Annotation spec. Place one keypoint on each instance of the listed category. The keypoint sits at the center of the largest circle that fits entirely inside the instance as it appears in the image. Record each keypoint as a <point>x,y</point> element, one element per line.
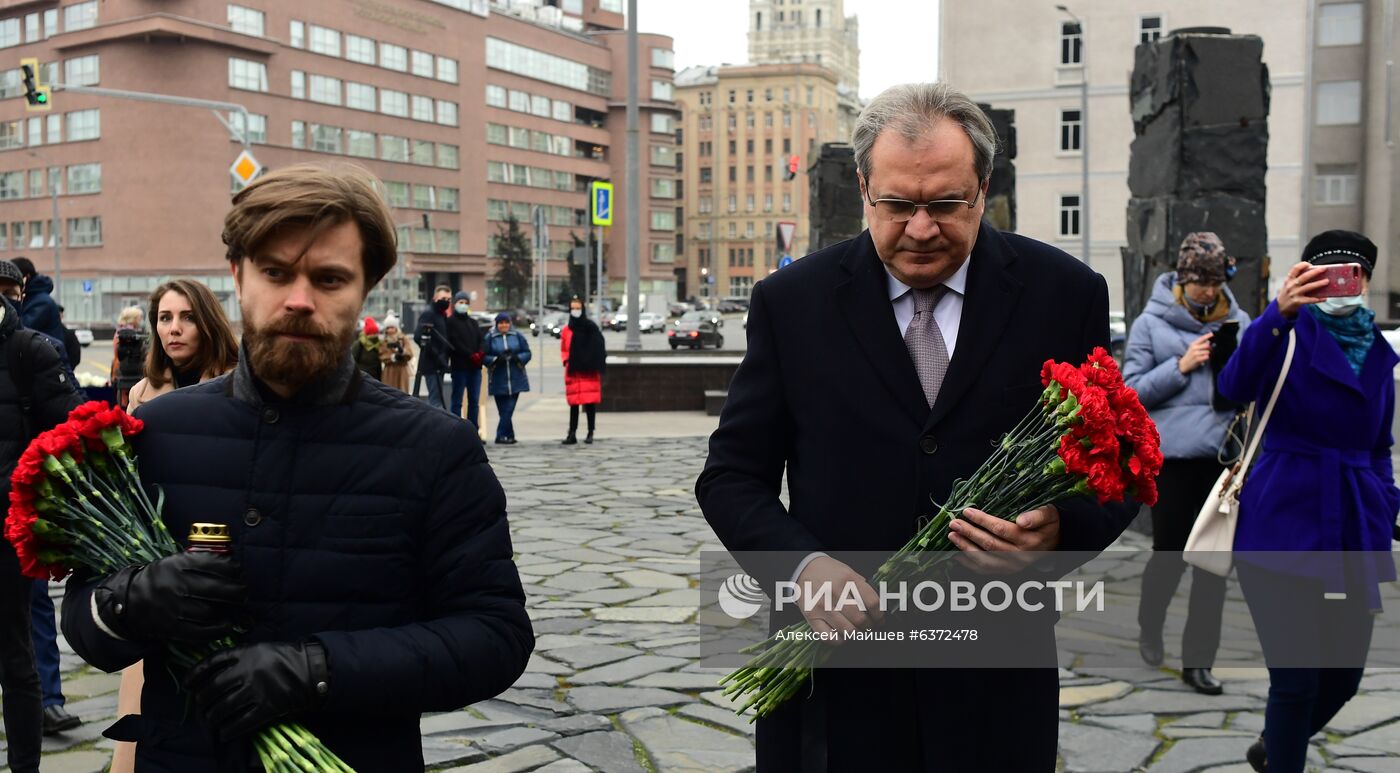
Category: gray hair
<point>911,109</point>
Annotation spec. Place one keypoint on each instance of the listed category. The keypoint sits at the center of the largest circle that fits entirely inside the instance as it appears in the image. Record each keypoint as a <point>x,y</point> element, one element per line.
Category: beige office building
<point>1041,82</point>
<point>469,110</point>
<point>743,127</point>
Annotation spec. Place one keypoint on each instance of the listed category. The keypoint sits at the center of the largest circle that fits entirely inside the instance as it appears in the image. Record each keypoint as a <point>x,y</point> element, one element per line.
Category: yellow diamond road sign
<point>245,167</point>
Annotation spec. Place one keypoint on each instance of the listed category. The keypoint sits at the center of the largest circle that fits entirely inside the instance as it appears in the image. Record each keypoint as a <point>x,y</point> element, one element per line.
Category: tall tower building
<point>809,31</point>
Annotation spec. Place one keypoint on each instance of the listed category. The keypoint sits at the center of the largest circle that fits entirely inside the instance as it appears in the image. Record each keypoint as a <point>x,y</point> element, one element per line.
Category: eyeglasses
<point>902,210</point>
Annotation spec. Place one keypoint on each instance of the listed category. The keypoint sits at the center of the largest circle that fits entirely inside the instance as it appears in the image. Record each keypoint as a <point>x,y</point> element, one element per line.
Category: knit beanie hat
<point>502,317</point>
<point>392,321</point>
<point>11,272</point>
<point>371,327</point>
<point>1203,259</point>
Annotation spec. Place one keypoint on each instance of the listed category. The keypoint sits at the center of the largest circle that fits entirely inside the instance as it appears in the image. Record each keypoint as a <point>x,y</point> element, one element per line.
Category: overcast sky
<point>898,38</point>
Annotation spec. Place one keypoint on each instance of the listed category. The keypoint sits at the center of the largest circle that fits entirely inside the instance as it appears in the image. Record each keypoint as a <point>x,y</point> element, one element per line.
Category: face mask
<point>461,308</point>
<point>576,313</point>
<point>1342,307</point>
<point>1199,309</point>
<point>441,305</point>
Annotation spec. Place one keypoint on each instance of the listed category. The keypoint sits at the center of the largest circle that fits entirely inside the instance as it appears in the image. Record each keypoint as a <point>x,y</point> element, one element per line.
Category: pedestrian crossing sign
<point>600,197</point>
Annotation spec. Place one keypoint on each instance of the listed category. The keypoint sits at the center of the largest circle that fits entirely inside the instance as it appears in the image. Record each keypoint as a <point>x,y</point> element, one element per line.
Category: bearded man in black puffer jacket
<point>371,577</point>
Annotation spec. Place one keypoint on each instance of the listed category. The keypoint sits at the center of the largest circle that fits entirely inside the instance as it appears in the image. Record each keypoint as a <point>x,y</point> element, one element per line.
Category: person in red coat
<point>584,354</point>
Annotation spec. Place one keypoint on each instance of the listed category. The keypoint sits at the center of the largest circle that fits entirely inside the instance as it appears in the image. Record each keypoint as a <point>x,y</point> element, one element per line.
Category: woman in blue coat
<point>1168,362</point>
<point>1323,483</point>
<point>506,353</point>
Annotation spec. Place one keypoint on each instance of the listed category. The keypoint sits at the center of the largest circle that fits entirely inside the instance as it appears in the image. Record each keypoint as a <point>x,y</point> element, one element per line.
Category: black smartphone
<point>1222,345</point>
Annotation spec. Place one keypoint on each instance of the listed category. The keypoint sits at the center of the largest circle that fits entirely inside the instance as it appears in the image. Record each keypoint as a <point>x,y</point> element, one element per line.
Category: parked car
<point>619,321</point>
<point>83,335</point>
<point>648,322</point>
<point>679,308</point>
<point>1118,334</point>
<point>554,322</point>
<point>695,329</point>
<point>520,319</point>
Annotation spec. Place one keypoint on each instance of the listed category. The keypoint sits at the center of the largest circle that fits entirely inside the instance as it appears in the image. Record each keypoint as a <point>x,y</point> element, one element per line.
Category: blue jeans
<point>434,382</point>
<point>45,635</point>
<point>1304,698</point>
<point>505,406</point>
<point>467,380</point>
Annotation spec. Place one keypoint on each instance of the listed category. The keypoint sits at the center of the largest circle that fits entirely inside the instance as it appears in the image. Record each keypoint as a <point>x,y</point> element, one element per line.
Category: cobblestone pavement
<point>608,538</point>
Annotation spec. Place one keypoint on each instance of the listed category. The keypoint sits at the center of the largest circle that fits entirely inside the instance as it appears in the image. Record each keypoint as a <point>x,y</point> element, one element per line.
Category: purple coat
<point>1323,478</point>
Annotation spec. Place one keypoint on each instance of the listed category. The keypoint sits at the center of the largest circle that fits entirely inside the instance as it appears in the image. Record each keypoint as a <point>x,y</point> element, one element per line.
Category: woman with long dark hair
<point>193,340</point>
<point>584,354</point>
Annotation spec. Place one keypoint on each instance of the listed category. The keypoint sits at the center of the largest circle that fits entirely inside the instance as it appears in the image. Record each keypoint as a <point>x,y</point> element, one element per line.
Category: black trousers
<point>1182,488</point>
<point>19,678</point>
<point>591,410</point>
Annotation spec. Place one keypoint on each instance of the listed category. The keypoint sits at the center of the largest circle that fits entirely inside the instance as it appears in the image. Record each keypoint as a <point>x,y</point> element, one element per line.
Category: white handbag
<point>1212,541</point>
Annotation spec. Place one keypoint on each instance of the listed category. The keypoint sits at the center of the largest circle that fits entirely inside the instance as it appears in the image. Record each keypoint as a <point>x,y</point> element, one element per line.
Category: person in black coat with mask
<point>465,336</point>
<point>434,347</point>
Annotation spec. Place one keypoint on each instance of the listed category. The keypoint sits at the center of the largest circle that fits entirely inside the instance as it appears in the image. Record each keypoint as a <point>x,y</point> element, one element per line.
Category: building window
<point>246,20</point>
<point>393,57</point>
<point>495,96</point>
<point>84,231</point>
<point>706,175</point>
<point>393,103</point>
<point>733,230</point>
<point>662,90</point>
<point>36,182</point>
<point>1335,185</point>
<point>246,75</point>
<point>358,49</point>
<point>257,126</point>
<point>10,33</point>
<point>446,112</point>
<point>11,187</point>
<point>326,139</point>
<point>80,17</point>
<point>663,253</point>
<point>539,106</point>
<point>447,201</point>
<point>446,69</point>
<point>1150,28</point>
<point>1339,103</point>
<point>85,178</point>
<point>447,156</point>
<point>661,220</point>
<point>768,201</point>
<point>663,155</point>
<point>1340,24</point>
<point>733,204</point>
<point>1071,128</point>
<point>663,57</point>
<point>663,187</point>
<point>361,96</point>
<point>1069,216</point>
<point>396,194</point>
<point>787,121</point>
<point>393,148</point>
<point>519,101</point>
<point>298,134</point>
<point>707,205</point>
<point>422,152</point>
<point>359,143</point>
<point>504,55</point>
<point>748,231</point>
<point>298,84</point>
<point>84,125</point>
<point>36,131</point>
<point>1071,44</point>
<point>787,202</point>
<point>84,71</point>
<point>296,34</point>
<point>421,63</point>
<point>325,90</point>
<point>325,41</point>
<point>50,22</point>
<point>740,286</point>
<point>422,108</point>
<point>662,123</point>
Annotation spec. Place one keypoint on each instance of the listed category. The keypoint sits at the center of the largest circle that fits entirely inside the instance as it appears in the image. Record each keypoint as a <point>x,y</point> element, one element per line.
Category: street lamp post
<point>1083,132</point>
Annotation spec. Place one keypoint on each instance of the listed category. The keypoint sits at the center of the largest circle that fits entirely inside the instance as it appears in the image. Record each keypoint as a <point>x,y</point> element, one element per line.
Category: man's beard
<point>294,364</point>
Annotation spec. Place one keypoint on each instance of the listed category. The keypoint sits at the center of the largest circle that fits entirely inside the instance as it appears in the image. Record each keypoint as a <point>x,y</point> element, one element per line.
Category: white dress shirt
<point>948,315</point>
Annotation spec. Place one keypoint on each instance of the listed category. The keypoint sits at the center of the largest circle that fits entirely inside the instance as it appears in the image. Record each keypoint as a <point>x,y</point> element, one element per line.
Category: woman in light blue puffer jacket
<point>1168,363</point>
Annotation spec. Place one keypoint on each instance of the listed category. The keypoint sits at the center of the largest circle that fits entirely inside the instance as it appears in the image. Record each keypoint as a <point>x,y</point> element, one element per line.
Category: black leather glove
<point>194,597</point>
<point>240,690</point>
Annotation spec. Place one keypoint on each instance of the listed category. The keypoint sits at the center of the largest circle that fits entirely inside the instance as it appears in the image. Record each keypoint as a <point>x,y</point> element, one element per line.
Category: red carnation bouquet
<point>1089,435</point>
<point>76,502</point>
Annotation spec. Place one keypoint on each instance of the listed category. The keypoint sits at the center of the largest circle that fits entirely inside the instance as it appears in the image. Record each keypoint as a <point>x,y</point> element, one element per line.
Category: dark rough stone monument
<point>835,209</point>
<point>1200,104</point>
<point>1001,192</point>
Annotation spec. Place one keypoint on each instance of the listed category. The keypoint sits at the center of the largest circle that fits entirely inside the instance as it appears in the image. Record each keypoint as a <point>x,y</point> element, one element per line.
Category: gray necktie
<point>925,342</point>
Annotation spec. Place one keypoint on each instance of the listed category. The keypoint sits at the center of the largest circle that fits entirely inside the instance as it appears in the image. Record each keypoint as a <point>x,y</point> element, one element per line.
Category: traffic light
<point>36,95</point>
<point>791,172</point>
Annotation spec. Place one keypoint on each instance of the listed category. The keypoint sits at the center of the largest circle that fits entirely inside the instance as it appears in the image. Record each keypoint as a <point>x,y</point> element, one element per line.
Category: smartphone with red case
<point>1343,280</point>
